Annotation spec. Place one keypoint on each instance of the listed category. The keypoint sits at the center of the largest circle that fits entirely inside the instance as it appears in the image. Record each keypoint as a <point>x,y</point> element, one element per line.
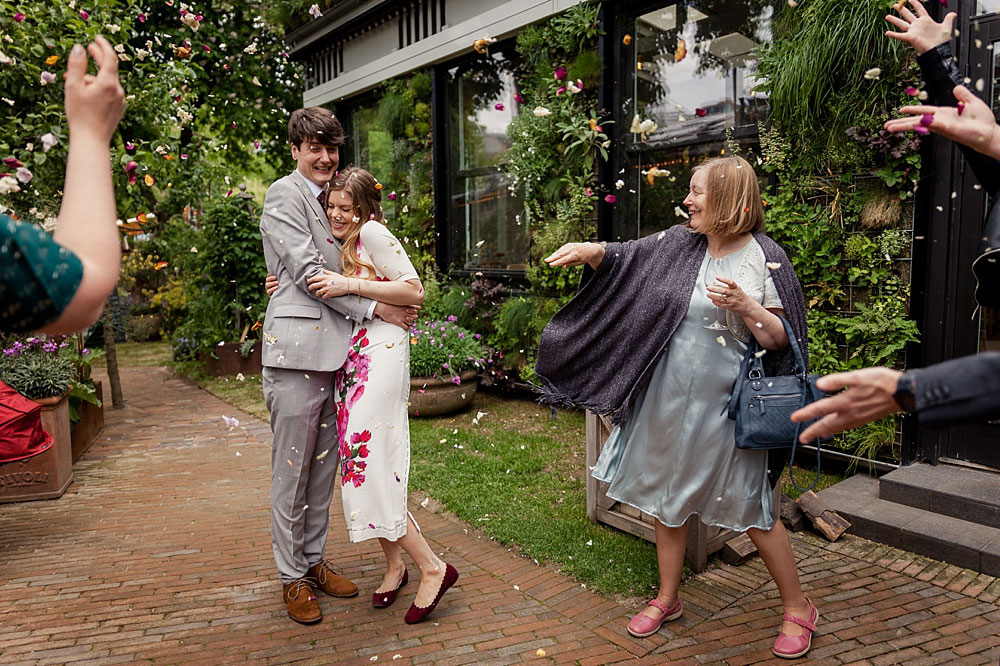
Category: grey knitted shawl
<point>599,351</point>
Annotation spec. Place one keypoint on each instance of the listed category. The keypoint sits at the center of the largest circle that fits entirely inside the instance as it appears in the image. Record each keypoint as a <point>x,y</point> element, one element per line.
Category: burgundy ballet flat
<point>418,614</point>
<point>385,599</point>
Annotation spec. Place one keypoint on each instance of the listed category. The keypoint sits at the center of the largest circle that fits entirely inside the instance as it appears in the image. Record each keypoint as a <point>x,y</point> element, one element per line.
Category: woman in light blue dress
<point>674,456</point>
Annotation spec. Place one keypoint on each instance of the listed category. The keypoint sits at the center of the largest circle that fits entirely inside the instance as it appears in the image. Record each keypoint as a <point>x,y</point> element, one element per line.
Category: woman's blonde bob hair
<point>732,196</point>
<point>367,205</point>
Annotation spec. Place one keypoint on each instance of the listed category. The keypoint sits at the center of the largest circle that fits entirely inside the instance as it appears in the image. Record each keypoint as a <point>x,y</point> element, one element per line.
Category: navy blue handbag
<point>762,405</point>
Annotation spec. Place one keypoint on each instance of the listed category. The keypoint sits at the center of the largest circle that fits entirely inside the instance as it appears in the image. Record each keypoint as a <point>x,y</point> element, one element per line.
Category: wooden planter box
<point>433,397</point>
<point>91,422</point>
<point>229,361</point>
<point>47,475</point>
<point>702,540</point>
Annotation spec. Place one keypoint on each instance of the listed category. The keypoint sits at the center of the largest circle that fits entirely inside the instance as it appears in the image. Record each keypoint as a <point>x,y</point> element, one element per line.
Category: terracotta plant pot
<point>47,475</point>
<point>432,397</point>
<point>91,423</point>
<point>229,361</point>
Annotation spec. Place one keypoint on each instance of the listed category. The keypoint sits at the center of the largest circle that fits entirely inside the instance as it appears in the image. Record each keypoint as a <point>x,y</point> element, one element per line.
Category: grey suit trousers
<point>304,461</point>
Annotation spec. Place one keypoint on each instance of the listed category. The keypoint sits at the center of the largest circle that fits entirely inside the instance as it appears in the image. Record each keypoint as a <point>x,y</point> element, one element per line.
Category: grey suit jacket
<point>302,331</point>
<point>962,389</point>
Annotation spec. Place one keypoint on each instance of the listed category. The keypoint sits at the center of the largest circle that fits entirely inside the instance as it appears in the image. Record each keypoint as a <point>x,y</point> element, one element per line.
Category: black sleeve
<point>962,389</point>
<point>938,68</point>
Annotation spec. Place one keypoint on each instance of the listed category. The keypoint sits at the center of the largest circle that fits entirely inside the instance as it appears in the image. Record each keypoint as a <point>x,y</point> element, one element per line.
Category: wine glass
<point>713,268</point>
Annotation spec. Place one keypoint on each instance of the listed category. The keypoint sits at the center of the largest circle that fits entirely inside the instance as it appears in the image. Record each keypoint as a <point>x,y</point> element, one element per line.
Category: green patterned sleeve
<point>38,277</point>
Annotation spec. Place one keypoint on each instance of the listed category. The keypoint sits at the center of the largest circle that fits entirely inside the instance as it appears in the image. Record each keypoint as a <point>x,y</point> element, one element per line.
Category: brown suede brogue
<point>327,579</point>
<point>300,600</point>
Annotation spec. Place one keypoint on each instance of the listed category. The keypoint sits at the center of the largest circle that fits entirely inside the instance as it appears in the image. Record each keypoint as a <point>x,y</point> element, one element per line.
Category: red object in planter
<point>21,434</point>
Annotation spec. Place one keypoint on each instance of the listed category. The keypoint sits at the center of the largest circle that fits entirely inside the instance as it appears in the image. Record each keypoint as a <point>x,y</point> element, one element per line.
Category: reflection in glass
<point>989,319</point>
<point>370,146</point>
<point>694,72</point>
<point>487,231</point>
<point>691,71</point>
<point>987,7</point>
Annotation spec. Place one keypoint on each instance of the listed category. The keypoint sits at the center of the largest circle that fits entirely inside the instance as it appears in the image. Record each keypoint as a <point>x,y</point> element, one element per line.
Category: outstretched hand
<point>917,28</point>
<point>868,398</point>
<point>94,103</point>
<point>577,254</point>
<point>971,123</point>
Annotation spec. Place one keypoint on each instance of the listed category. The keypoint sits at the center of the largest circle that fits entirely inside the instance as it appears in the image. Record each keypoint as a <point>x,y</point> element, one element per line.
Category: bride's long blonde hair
<point>367,205</point>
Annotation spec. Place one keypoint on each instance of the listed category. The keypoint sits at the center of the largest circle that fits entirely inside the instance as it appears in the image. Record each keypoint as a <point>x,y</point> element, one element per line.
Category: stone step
<point>960,492</point>
<point>953,540</point>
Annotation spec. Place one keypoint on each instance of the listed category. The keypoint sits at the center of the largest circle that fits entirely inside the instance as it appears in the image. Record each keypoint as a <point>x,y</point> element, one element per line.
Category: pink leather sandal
<point>793,647</point>
<point>642,625</point>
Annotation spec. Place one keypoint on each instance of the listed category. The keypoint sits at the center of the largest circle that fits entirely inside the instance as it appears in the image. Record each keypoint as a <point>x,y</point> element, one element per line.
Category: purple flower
<point>444,365</point>
<point>392,196</point>
<point>84,351</point>
<point>450,318</point>
<point>560,73</point>
<point>456,380</point>
<point>611,198</point>
<point>518,98</point>
<point>50,346</point>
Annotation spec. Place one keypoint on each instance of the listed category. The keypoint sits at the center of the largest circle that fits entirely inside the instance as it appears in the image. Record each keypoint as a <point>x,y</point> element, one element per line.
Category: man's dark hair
<point>314,122</point>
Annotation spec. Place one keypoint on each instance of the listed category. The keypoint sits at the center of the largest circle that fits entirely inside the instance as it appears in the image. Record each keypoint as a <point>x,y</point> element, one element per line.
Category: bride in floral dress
<point>372,389</point>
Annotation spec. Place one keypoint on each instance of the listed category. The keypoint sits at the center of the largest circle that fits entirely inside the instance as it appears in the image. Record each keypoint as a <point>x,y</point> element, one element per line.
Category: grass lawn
<point>140,354</point>
<point>517,474</point>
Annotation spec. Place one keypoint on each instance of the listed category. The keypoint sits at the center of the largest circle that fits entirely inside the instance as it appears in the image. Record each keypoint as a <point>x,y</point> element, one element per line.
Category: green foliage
<point>841,177</point>
<point>443,349</point>
<point>192,117</point>
<point>404,112</point>
<point>819,75</point>
<point>225,272</point>
<point>519,477</point>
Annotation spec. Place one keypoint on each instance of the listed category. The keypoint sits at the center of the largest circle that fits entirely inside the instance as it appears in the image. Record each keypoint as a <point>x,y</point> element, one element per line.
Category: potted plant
<point>86,406</point>
<point>445,360</point>
<point>42,369</point>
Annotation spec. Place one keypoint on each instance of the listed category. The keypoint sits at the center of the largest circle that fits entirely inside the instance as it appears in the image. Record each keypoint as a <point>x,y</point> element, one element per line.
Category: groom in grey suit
<point>306,340</point>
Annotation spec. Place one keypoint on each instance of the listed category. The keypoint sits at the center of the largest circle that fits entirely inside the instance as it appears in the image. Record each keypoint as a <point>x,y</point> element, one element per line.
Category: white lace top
<point>754,278</point>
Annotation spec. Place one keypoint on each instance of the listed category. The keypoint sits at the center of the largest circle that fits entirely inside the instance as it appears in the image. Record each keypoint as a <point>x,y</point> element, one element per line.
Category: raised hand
<point>917,28</point>
<point>94,103</point>
<point>971,123</point>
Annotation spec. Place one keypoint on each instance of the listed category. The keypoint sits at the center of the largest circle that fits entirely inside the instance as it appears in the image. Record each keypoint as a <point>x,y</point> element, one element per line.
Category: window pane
<point>487,230</point>
<point>987,7</point>
<point>694,67</point>
<point>691,71</point>
<point>372,145</point>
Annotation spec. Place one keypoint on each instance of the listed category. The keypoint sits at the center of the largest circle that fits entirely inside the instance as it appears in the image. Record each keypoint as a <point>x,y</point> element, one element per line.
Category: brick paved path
<point>159,554</point>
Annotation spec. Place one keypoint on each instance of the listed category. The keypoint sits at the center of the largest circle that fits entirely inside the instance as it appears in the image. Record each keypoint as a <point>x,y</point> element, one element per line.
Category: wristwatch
<point>904,393</point>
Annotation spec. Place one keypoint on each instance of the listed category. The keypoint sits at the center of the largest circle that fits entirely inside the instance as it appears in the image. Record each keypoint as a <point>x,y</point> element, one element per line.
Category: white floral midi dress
<point>372,390</point>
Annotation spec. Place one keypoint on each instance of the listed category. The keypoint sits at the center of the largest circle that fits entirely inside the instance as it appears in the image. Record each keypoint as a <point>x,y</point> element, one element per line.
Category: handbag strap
<point>754,348</point>
<point>791,459</point>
